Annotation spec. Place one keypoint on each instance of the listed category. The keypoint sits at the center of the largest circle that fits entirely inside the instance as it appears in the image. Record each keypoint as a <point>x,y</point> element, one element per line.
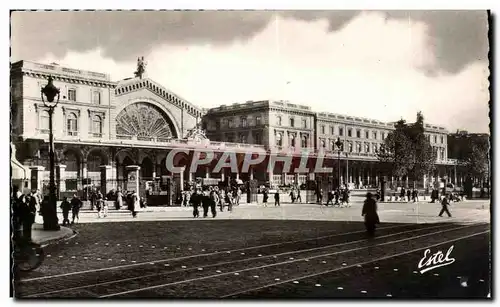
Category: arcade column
<point>61,182</point>
<point>106,183</point>
<point>133,178</point>
<point>36,177</point>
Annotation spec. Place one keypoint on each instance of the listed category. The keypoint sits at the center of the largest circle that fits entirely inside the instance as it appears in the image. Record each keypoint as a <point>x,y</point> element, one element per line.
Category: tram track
<point>198,270</point>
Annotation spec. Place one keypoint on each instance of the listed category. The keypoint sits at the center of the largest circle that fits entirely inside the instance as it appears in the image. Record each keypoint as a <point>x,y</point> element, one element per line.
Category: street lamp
<point>50,221</point>
<point>339,146</point>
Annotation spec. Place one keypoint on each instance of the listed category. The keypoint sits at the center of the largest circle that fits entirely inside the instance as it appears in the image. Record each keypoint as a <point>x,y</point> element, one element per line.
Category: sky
<point>384,65</point>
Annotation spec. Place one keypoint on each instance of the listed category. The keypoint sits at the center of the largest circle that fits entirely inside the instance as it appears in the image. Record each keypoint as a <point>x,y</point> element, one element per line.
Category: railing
<point>123,137</point>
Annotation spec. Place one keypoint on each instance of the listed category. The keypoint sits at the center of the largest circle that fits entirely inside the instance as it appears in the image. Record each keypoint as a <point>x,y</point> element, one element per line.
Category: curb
<point>46,243</point>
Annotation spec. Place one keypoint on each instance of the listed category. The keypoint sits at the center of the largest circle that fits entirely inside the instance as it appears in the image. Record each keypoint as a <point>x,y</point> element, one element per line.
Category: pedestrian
<point>195,201</point>
<point>292,195</point>
<point>214,199</point>
<point>408,195</point>
<point>76,204</point>
<point>93,198</point>
<point>66,208</point>
<point>329,198</point>
<point>444,206</point>
<point>28,212</point>
<point>369,212</point>
<point>133,204</point>
<point>277,198</point>
<point>105,206</point>
<point>265,196</point>
<point>299,199</point>
<point>205,203</point>
<point>119,200</point>
<point>337,197</point>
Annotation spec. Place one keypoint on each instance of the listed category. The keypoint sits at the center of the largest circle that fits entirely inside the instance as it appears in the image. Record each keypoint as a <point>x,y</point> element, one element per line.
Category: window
<point>72,124</point>
<point>332,130</point>
<point>322,129</point>
<point>243,121</point>
<point>279,140</point>
<point>44,122</point>
<point>341,131</point>
<point>442,139</point>
<point>323,144</point>
<point>97,126</point>
<point>367,134</point>
<point>349,132</point>
<point>97,97</point>
<point>358,133</point>
<point>230,123</point>
<point>225,123</point>
<point>367,147</point>
<point>256,138</point>
<point>258,120</point>
<point>350,146</point>
<point>435,139</point>
<point>243,138</point>
<point>72,94</point>
<point>279,121</point>
<point>292,122</point>
<point>230,137</point>
<point>292,141</point>
<point>217,125</point>
<point>374,135</point>
<point>304,141</point>
<point>304,123</point>
<point>383,136</point>
<point>358,147</point>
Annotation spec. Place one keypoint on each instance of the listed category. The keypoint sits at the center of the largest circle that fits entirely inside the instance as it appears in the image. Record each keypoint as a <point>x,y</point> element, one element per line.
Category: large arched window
<point>94,162</point>
<point>97,126</point>
<point>72,124</point>
<point>44,121</point>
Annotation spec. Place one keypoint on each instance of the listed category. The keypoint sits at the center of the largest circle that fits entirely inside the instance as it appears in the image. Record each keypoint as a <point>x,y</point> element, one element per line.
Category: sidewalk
<point>45,237</point>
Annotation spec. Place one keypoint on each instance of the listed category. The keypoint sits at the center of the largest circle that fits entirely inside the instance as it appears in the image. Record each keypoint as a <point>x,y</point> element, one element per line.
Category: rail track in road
<point>234,272</point>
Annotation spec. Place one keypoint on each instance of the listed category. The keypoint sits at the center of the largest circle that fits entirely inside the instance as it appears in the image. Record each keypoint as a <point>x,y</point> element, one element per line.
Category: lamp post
<point>339,146</point>
<point>50,221</point>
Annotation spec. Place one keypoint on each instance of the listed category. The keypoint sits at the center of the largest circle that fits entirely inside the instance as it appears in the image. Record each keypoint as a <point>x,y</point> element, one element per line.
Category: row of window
<point>435,138</point>
<point>303,140</point>
<point>366,147</point>
<point>96,96</point>
<point>440,153</point>
<point>243,122</point>
<point>72,124</point>
<point>291,122</point>
<point>374,134</point>
<point>243,138</point>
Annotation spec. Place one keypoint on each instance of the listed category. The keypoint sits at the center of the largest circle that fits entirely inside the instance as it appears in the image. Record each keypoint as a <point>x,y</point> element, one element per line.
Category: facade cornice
<point>68,79</point>
<point>39,101</point>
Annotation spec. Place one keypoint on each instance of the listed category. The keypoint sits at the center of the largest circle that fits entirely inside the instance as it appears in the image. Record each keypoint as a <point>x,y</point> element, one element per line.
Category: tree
<point>406,151</point>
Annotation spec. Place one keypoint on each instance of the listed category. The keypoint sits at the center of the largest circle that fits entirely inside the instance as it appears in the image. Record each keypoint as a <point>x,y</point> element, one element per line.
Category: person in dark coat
<point>195,201</point>
<point>330,198</point>
<point>28,212</point>
<point>265,196</point>
<point>408,195</point>
<point>76,204</point>
<point>66,208</point>
<point>402,194</point>
<point>370,214</point>
<point>205,202</point>
<point>444,206</point>
<point>277,198</point>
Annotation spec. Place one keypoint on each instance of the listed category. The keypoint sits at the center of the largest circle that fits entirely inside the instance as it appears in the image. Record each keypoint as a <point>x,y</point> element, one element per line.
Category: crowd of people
<point>211,197</point>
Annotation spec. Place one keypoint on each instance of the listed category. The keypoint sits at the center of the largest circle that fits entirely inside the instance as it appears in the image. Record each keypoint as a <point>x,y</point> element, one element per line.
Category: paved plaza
<point>296,250</point>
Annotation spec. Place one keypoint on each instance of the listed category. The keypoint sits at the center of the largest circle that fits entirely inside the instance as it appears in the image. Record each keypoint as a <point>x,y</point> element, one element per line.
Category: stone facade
<point>102,127</point>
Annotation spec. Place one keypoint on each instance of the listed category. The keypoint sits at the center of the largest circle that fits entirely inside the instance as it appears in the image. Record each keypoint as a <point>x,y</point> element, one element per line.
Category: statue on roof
<point>141,67</point>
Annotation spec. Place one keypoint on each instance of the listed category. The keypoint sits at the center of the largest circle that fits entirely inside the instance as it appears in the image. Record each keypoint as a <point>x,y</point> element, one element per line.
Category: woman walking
<point>370,214</point>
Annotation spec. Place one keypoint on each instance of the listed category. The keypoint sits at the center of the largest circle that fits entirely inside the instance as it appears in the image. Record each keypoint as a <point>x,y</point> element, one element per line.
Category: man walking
<point>444,206</point>
<point>277,198</point>
<point>76,204</point>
